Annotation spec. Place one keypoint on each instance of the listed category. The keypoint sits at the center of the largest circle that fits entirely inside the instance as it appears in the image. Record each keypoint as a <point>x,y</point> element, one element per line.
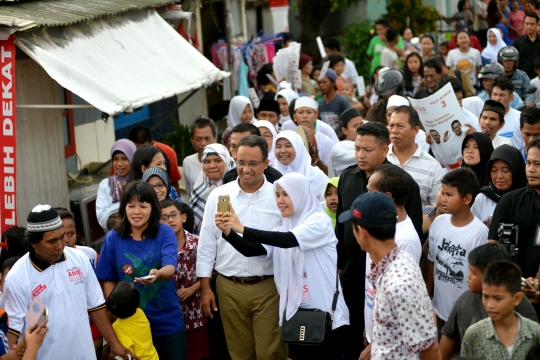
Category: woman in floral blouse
<point>187,285</point>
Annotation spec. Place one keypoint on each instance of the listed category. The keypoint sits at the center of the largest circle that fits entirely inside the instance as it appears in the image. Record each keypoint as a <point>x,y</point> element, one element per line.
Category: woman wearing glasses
<point>216,162</point>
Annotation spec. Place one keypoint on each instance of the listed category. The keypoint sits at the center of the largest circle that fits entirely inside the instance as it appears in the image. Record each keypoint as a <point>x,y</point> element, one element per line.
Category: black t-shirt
<point>422,93</point>
<point>270,173</point>
<point>528,51</point>
<point>517,207</point>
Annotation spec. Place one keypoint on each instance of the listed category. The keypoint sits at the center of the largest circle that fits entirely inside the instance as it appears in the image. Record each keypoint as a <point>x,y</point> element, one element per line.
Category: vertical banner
<point>444,122</point>
<point>8,169</point>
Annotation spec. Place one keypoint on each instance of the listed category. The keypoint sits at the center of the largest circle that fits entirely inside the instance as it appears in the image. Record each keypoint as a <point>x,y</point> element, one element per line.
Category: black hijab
<point>485,146</point>
<point>513,158</point>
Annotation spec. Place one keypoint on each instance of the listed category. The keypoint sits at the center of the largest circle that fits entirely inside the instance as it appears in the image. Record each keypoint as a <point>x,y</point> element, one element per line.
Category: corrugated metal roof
<point>27,14</point>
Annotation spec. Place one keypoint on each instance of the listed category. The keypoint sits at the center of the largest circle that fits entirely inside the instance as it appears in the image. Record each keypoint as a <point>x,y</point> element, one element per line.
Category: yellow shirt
<point>134,334</point>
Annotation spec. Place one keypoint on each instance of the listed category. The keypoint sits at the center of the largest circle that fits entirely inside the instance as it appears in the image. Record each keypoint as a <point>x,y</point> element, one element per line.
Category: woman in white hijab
<point>216,162</point>
<point>292,156</point>
<point>494,45</point>
<point>284,98</point>
<point>304,255</point>
<point>240,111</point>
<point>268,133</point>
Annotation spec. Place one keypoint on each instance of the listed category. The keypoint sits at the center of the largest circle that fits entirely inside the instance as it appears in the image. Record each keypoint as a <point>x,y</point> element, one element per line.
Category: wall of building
<point>41,169</point>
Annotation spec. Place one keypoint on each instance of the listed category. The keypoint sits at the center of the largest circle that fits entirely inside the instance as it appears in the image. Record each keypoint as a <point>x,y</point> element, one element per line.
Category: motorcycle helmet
<point>388,82</point>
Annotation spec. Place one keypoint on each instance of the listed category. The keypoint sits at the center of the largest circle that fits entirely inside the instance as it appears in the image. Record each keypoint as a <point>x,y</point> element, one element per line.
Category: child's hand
<point>184,294</point>
<point>34,336</point>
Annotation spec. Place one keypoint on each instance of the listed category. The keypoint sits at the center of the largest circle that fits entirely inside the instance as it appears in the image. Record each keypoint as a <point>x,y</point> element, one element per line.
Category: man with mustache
<point>492,120</point>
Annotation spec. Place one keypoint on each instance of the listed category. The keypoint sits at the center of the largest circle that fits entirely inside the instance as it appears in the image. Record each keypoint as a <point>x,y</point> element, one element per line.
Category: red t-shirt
<point>475,43</point>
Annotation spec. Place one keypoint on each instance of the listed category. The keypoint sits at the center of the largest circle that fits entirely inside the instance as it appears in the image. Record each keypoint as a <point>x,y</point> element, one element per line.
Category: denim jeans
<point>171,347</point>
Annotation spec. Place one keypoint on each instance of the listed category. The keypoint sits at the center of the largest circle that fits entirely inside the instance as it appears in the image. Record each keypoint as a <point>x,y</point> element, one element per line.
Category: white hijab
<point>267,124</point>
<point>492,51</point>
<point>288,95</point>
<point>236,108</point>
<point>289,263</point>
<point>302,163</point>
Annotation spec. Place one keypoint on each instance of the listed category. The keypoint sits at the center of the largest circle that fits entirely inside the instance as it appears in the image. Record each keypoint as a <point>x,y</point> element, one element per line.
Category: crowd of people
<point>314,202</point>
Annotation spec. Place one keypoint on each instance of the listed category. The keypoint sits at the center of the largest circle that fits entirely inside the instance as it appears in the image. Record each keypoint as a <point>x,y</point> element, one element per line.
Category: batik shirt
<point>402,312</point>
<point>184,278</point>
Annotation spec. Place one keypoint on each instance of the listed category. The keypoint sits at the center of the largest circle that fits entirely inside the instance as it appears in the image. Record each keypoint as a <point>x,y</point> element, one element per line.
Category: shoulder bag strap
<point>336,293</point>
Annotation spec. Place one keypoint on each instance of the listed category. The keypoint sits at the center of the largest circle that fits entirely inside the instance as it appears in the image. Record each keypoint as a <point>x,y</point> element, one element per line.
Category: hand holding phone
<point>147,277</point>
<point>223,203</point>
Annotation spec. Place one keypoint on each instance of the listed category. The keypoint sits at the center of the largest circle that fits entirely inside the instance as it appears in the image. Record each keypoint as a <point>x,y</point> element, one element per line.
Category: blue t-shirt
<point>124,259</point>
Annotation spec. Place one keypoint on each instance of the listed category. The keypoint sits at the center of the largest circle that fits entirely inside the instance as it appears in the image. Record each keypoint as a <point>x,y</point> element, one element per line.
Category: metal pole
<point>228,35</point>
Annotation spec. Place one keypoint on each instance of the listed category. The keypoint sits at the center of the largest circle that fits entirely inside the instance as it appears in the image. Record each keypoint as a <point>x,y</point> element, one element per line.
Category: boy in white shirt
<point>451,237</point>
<point>389,57</point>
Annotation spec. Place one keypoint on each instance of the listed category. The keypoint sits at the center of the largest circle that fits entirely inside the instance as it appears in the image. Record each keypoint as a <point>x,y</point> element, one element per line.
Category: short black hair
<point>504,83</point>
<point>461,5</point>
<point>165,203</point>
<point>457,86</point>
<point>414,119</point>
<point>189,225</point>
<point>245,127</point>
<point>335,59</point>
<point>428,36</point>
<point>332,44</point>
<point>8,264</point>
<point>403,29</point>
<point>33,237</point>
<point>391,35</point>
<point>444,43</point>
<point>123,300</point>
<point>486,254</point>
<point>143,156</point>
<point>530,115</point>
<point>375,129</point>
<point>393,180</point>
<point>439,58</point>
<point>200,123</point>
<point>503,273</point>
<point>434,131</point>
<point>15,244</point>
<point>532,15</point>
<point>537,63</point>
<point>255,141</point>
<point>143,192</point>
<point>434,64</point>
<point>379,232</point>
<point>501,116</point>
<point>464,180</point>
<point>64,213</point>
<point>291,109</point>
<point>382,21</point>
<point>535,143</point>
<point>140,135</point>
<point>267,69</point>
<point>453,122</point>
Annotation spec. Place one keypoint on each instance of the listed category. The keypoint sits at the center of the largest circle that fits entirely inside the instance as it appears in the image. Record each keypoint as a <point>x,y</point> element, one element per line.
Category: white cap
<point>396,100</point>
<point>305,101</point>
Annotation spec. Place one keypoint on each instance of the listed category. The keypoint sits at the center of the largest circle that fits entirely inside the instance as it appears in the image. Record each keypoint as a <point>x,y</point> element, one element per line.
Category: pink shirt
<point>516,21</point>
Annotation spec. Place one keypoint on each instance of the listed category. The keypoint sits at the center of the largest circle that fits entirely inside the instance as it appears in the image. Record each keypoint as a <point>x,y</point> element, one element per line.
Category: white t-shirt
<point>324,147</point>
<point>511,128</point>
<point>321,126</point>
<point>192,168</point>
<point>536,83</point>
<point>341,157</point>
<point>69,289</point>
<point>465,62</point>
<point>91,253</point>
<point>483,207</point>
<point>407,240</point>
<point>499,140</point>
<point>389,58</point>
<point>350,72</point>
<point>449,248</point>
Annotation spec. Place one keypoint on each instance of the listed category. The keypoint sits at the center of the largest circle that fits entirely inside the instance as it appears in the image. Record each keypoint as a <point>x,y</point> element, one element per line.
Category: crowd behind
<point>317,199</point>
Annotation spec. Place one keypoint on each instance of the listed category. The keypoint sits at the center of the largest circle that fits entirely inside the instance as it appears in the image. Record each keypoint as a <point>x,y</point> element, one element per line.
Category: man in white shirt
<point>63,279</point>
<point>246,290</point>
<point>406,153</point>
<point>503,92</point>
<point>203,132</point>
<point>492,120</point>
<point>342,154</point>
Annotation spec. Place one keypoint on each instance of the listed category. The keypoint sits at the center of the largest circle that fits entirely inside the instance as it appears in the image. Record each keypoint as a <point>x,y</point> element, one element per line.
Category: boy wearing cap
<point>332,104</point>
<point>63,279</point>
<point>400,300</point>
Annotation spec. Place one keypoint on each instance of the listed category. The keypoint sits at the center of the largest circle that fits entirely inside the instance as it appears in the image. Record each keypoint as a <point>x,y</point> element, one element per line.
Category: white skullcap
<point>305,101</point>
<point>396,100</point>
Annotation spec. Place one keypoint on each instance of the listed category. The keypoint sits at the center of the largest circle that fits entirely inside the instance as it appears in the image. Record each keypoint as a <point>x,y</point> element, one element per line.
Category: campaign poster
<point>444,123</point>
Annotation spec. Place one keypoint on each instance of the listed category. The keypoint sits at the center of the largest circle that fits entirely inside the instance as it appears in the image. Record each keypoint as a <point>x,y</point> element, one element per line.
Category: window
<point>68,124</point>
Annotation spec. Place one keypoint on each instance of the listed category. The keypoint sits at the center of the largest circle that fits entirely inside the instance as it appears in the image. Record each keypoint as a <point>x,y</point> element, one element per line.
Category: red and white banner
<point>8,143</point>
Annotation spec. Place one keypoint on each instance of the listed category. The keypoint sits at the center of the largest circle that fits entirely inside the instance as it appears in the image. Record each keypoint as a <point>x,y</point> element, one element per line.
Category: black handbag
<point>309,326</point>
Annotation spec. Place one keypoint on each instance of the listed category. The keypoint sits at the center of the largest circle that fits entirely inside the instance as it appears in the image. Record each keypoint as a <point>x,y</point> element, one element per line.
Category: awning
<point>120,63</point>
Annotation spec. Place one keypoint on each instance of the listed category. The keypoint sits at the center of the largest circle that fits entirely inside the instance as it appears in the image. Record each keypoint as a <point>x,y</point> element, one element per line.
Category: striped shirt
<point>424,169</point>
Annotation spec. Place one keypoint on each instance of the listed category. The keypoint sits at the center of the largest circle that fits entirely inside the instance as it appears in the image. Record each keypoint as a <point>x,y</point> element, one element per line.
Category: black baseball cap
<point>371,208</point>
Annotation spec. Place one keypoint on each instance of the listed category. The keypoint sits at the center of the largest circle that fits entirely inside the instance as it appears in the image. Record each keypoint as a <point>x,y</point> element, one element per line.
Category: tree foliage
<point>355,44</point>
<point>422,18</point>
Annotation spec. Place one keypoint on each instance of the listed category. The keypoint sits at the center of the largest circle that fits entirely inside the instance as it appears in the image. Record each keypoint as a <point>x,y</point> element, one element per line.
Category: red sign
<point>8,166</point>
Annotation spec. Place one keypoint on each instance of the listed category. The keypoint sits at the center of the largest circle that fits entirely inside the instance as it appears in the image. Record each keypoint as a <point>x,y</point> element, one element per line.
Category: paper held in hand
<point>444,122</point>
<point>323,70</point>
<point>321,47</point>
<point>254,98</point>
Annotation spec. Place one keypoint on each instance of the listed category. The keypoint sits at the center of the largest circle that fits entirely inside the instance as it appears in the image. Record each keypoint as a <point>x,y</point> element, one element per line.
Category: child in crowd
<point>187,284</point>
<point>505,334</point>
<point>389,57</point>
<point>536,81</point>
<point>6,266</point>
<point>314,80</point>
<point>13,243</point>
<point>443,49</point>
<point>452,237</point>
<point>468,308</point>
<point>113,221</point>
<point>347,91</point>
<point>371,96</point>
<point>331,196</point>
<point>132,326</point>
<point>413,72</point>
<point>337,63</point>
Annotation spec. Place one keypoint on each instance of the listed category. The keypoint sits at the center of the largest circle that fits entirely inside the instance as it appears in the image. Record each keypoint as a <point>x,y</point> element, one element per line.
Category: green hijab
<point>333,181</point>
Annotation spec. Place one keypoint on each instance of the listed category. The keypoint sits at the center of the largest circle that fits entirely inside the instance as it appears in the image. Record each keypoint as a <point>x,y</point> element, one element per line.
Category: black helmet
<point>491,71</point>
<point>389,81</point>
<point>508,53</point>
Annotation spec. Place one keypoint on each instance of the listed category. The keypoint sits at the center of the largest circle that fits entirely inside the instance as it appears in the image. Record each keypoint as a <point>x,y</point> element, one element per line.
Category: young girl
<point>331,195</point>
<point>187,285</point>
<point>240,111</point>
<point>142,246</point>
<point>284,98</point>
<point>494,45</point>
<point>428,43</point>
<point>465,58</point>
<point>413,72</point>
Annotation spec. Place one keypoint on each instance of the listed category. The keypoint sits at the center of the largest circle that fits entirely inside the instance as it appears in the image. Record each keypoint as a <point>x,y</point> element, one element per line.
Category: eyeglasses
<point>250,164</point>
<point>159,186</point>
<point>174,215</point>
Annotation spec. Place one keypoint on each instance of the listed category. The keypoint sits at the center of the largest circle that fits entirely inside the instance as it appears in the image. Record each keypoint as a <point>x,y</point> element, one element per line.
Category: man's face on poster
<point>435,136</point>
<point>456,128</point>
